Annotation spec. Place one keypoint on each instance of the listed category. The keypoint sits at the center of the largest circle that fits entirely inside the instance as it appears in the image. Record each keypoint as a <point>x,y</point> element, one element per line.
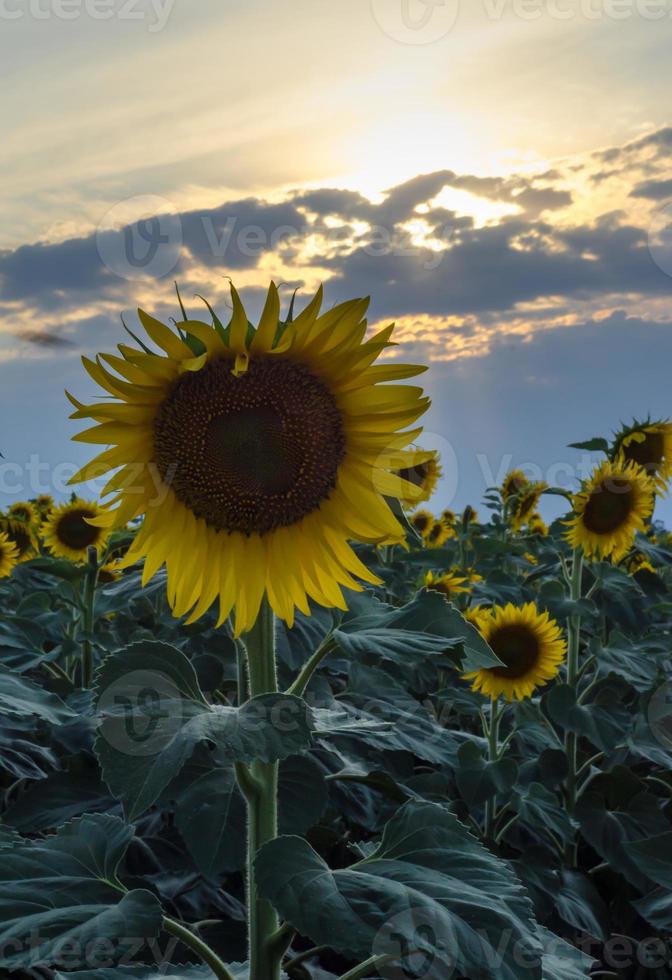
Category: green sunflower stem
<point>259,785</point>
<point>88,614</point>
<point>492,735</point>
<point>573,676</point>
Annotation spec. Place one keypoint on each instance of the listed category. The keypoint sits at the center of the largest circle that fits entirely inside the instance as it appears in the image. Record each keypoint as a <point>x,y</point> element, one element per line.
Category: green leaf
<point>479,780</point>
<point>540,809</point>
<point>428,614</point>
<point>20,696</point>
<point>50,802</point>
<point>654,856</point>
<point>61,894</point>
<point>561,961</point>
<point>606,724</point>
<point>185,971</point>
<point>595,445</point>
<point>212,819</point>
<point>430,887</point>
<point>153,715</point>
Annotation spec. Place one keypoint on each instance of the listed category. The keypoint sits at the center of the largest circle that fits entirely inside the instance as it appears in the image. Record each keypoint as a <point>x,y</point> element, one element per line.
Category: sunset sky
<point>496,175</point>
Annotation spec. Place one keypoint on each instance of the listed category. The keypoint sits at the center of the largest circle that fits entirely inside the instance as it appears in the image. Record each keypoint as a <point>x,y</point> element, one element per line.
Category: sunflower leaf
<point>59,895</point>
<point>152,716</point>
<point>430,891</point>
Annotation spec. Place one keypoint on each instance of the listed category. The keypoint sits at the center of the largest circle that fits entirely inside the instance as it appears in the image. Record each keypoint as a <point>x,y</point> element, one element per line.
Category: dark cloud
<point>655,190</point>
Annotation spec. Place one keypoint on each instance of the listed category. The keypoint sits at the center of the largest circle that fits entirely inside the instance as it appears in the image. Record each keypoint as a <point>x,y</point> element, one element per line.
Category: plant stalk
<point>573,643</point>
<point>492,734</point>
<point>88,613</point>
<point>196,944</point>
<point>261,795</point>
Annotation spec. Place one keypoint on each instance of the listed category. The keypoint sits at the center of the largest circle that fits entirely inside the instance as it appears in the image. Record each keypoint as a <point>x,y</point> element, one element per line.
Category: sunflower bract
<point>255,455</point>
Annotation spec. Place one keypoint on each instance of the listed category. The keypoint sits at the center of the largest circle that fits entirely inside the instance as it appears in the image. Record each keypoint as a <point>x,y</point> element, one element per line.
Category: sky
<point>495,174</point>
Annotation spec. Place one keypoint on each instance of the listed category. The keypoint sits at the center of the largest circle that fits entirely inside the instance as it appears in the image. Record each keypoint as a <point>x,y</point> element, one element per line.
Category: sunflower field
<point>265,713</point>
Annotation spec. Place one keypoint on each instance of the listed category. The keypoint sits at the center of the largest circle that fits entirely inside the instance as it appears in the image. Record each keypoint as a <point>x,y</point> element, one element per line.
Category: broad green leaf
<point>429,886</point>
<point>20,696</point>
<point>60,895</point>
<point>561,961</point>
<point>479,780</point>
<point>153,715</point>
<point>50,802</point>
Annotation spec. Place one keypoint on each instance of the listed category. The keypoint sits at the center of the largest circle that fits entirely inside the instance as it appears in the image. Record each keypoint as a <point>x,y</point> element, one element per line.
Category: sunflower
<point>649,445</point>
<point>44,504</point>
<point>529,557</point>
<point>271,448</point>
<point>477,616</point>
<point>69,533</point>
<point>613,505</point>
<point>108,573</point>
<point>423,474</point>
<point>525,504</point>
<point>422,521</point>
<point>639,563</point>
<point>469,515</point>
<point>22,536</point>
<point>530,645</point>
<point>513,483</point>
<point>537,525</point>
<point>25,512</point>
<point>449,584</point>
<point>449,517</point>
<point>437,534</point>
<point>9,555</point>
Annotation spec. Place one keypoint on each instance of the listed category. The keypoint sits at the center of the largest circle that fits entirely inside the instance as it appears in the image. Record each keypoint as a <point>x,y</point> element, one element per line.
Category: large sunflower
<point>613,505</point>
<point>649,445</point>
<point>423,474</point>
<point>256,455</point>
<point>530,645</point>
<point>9,555</point>
<point>68,532</point>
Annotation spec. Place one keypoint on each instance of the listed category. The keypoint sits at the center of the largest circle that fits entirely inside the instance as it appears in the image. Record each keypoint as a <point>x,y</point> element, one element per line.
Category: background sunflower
<point>68,534</point>
<point>9,555</point>
<point>530,645</point>
<point>649,445</point>
<point>614,504</point>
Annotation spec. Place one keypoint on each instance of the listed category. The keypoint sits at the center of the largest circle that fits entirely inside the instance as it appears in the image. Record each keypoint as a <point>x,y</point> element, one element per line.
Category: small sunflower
<point>477,616</point>
<point>469,515</point>
<point>437,534</point>
<point>529,557</point>
<point>272,448</point>
<point>649,445</point>
<point>537,525</point>
<point>513,483</point>
<point>449,584</point>
<point>44,504</point>
<point>530,645</point>
<point>68,532</point>
<point>613,505</point>
<point>22,536</point>
<point>449,517</point>
<point>25,512</point>
<point>423,474</point>
<point>525,504</point>
<point>422,521</point>
<point>639,563</point>
<point>9,555</point>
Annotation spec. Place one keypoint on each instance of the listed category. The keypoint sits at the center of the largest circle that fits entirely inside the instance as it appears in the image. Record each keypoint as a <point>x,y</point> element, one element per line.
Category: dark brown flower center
<point>421,522</point>
<point>22,538</point>
<point>649,453</point>
<point>73,531</point>
<point>254,452</point>
<point>609,506</point>
<point>517,647</point>
<point>415,474</point>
